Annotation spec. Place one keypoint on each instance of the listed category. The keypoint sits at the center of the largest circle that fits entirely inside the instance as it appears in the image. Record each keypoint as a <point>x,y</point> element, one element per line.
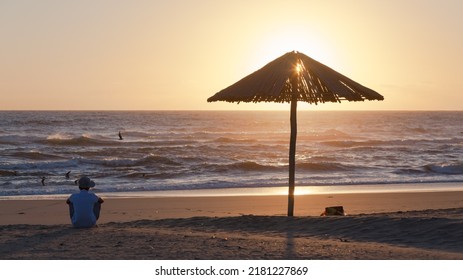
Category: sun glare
<point>300,190</point>
<point>298,68</point>
<point>284,40</point>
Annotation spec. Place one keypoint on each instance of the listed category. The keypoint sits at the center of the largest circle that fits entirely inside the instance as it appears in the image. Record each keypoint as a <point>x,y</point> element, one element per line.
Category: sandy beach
<point>418,225</point>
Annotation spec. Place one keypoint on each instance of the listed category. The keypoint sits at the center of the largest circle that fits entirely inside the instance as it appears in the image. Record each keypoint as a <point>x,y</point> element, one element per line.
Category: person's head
<point>85,183</point>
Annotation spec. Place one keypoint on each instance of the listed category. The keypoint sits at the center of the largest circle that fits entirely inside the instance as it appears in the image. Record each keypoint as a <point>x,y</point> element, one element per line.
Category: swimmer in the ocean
<point>43,180</point>
<point>67,174</point>
<point>120,136</point>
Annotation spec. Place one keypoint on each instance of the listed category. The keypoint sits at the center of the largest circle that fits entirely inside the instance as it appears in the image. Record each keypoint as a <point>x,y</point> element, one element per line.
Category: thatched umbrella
<point>290,78</point>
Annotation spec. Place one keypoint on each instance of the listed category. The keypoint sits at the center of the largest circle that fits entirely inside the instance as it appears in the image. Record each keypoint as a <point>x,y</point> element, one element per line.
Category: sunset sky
<point>173,55</point>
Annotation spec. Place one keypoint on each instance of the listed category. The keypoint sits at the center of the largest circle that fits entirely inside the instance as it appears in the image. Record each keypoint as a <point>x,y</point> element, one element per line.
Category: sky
<point>173,55</point>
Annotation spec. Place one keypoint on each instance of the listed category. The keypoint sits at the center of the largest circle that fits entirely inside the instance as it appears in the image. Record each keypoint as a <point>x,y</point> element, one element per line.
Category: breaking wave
<point>446,168</point>
<point>83,140</point>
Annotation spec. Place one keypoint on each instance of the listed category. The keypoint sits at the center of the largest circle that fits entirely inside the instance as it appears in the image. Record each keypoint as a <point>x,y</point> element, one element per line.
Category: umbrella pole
<point>292,155</point>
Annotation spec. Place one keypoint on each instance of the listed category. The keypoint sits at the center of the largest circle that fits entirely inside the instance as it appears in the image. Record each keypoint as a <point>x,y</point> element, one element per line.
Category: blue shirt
<point>83,203</point>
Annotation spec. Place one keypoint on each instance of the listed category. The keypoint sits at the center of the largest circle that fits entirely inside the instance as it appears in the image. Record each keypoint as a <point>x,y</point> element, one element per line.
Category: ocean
<point>197,150</point>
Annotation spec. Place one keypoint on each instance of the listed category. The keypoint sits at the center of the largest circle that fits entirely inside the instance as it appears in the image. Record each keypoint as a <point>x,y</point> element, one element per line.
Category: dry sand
<point>420,225</point>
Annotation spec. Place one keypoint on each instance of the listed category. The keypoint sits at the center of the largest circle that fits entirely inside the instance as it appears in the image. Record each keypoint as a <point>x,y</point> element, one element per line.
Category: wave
<point>35,155</point>
<point>419,130</point>
<point>138,134</point>
<point>8,173</point>
<point>250,166</point>
<point>147,161</point>
<point>15,139</point>
<point>322,166</point>
<point>84,140</point>
<point>247,166</point>
<point>233,140</point>
<point>155,159</point>
<point>351,144</point>
<point>334,133</point>
<point>41,165</point>
<point>169,143</point>
<point>396,142</point>
<point>326,135</point>
<point>148,175</point>
<point>446,168</point>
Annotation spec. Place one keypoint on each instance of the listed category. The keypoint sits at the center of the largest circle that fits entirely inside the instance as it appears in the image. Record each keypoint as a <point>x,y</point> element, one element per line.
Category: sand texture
<point>378,226</point>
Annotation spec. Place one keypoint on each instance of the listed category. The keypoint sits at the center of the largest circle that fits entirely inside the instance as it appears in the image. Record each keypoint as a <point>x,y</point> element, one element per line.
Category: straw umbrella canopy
<point>291,78</point>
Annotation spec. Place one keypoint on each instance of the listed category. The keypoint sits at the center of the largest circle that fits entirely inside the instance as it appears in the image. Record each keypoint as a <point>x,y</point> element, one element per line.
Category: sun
<point>280,41</point>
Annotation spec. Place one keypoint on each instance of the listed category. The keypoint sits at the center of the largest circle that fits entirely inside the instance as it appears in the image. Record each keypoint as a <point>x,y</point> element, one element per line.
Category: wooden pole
<point>292,154</point>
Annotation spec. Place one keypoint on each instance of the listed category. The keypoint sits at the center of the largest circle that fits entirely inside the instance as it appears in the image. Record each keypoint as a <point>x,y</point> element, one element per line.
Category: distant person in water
<point>85,206</point>
<point>120,136</point>
<point>67,174</point>
<point>43,180</point>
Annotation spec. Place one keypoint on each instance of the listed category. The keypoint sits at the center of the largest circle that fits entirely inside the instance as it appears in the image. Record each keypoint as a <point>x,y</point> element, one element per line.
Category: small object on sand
<point>334,211</point>
<point>43,180</point>
<point>67,174</point>
<point>120,136</point>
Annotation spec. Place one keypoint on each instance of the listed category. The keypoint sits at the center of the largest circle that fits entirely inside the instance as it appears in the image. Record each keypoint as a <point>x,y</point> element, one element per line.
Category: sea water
<point>197,150</point>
